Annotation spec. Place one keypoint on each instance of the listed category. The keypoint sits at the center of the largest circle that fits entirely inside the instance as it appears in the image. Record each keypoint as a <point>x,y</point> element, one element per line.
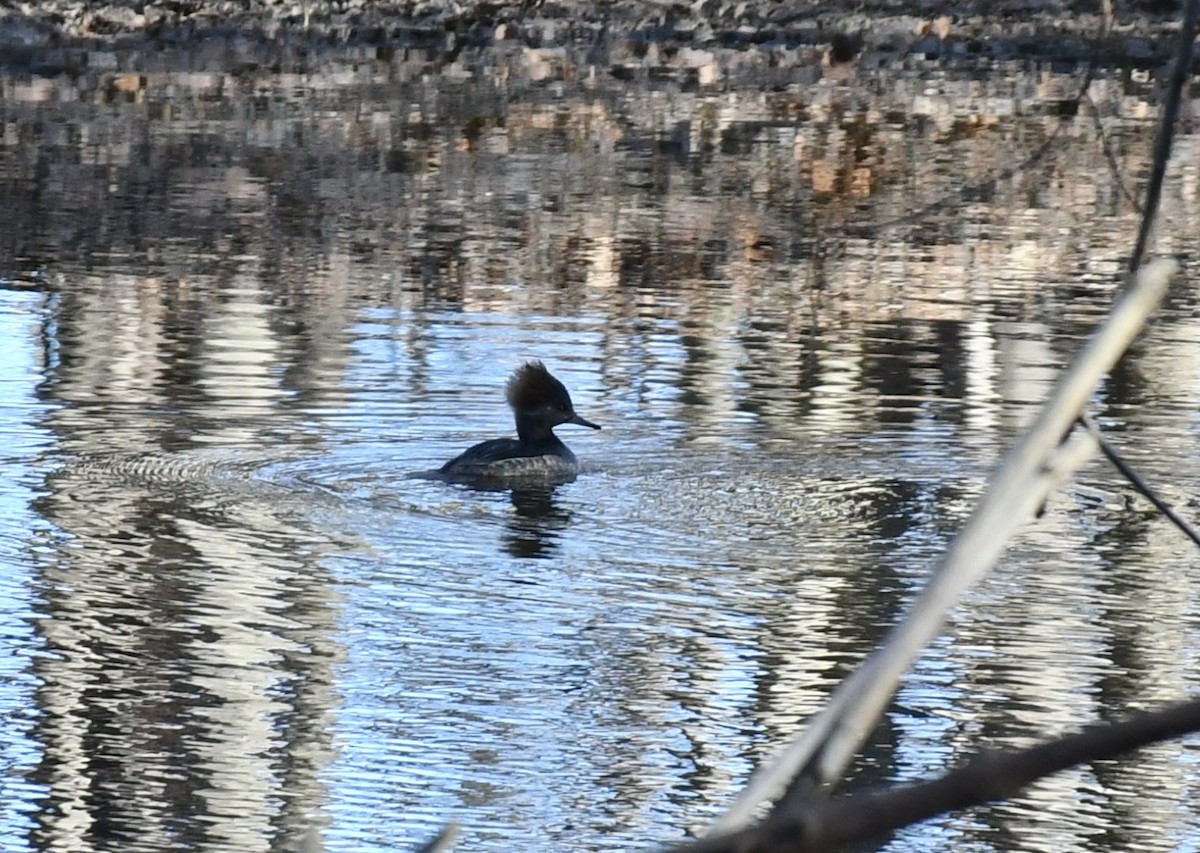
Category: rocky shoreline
<point>718,40</point>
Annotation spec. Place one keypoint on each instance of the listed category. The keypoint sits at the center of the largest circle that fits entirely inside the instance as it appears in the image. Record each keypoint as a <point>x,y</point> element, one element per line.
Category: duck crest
<point>532,385</point>
<point>539,403</point>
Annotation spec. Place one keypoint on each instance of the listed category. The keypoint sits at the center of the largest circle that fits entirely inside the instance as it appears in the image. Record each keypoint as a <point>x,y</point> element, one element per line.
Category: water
<point>239,310</point>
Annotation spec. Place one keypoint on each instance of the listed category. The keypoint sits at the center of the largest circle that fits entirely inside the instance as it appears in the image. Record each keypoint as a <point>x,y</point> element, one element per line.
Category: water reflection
<point>535,518</point>
<point>536,523</point>
<point>241,312</point>
<point>187,626</point>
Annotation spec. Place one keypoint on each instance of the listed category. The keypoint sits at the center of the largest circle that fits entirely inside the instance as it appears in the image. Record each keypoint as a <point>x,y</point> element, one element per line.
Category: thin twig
<point>1110,453</point>
<point>441,842</point>
<point>821,752</point>
<point>1166,130</point>
<point>821,823</point>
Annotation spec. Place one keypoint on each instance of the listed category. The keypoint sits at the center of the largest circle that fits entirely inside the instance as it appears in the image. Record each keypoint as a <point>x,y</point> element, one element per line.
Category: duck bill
<point>575,419</point>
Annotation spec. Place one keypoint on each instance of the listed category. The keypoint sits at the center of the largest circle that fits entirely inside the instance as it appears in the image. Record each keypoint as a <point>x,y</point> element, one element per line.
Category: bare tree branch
<point>821,824</point>
<point>1035,466</point>
<point>1166,130</point>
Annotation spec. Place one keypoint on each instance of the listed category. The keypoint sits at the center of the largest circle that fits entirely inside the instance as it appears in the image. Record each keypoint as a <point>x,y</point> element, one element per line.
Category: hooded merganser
<point>539,403</point>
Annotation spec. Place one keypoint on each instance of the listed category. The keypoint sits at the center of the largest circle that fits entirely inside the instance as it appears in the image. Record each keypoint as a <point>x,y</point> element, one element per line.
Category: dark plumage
<point>531,385</point>
<point>539,403</point>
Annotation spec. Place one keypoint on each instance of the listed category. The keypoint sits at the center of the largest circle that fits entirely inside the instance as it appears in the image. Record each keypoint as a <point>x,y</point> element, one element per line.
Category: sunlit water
<point>239,316</point>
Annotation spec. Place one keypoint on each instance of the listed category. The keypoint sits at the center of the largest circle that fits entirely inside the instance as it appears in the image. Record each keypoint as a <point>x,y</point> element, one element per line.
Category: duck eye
<point>562,407</point>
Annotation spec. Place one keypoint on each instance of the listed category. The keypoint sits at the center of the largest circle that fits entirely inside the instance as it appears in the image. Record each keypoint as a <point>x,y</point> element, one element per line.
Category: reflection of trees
<point>732,245</point>
<point>442,189</point>
<point>172,689</point>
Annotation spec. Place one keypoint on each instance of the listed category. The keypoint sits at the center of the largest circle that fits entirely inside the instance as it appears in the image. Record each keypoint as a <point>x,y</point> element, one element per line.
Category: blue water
<point>232,622</point>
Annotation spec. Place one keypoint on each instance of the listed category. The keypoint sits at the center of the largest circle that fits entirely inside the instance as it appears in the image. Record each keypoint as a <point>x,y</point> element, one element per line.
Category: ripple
<point>233,620</point>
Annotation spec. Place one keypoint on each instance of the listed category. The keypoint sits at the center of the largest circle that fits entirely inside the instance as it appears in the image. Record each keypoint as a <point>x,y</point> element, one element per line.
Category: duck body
<point>539,403</point>
<point>512,459</point>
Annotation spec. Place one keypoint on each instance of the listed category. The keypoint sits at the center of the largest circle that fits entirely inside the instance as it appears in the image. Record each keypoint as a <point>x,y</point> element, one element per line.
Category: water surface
<point>239,310</point>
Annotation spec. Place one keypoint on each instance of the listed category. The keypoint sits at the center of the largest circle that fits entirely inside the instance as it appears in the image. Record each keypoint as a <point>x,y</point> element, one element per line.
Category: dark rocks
<point>844,48</point>
<point>629,35</point>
